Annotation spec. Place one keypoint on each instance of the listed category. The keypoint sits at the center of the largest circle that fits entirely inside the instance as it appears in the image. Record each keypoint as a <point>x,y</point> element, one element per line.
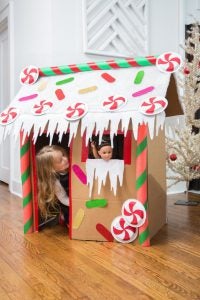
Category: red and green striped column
<point>101,65</point>
<point>26,185</point>
<point>141,181</point>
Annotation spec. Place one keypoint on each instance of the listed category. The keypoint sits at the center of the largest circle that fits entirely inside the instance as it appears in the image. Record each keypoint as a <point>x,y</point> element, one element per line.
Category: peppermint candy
<point>9,115</point>
<point>41,107</point>
<point>76,111</point>
<point>169,62</point>
<point>134,212</point>
<point>113,103</point>
<point>29,75</point>
<point>153,105</point>
<point>122,231</point>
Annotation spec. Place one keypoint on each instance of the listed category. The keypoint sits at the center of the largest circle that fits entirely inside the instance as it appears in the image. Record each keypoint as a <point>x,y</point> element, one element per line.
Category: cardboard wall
<point>93,216</point>
<point>157,183</point>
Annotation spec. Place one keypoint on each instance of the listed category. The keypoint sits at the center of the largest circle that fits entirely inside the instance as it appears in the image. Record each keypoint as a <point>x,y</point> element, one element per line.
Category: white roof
<point>92,99</point>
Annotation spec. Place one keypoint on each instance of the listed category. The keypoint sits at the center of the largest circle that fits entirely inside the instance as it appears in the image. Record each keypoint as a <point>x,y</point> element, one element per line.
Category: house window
<point>121,147</point>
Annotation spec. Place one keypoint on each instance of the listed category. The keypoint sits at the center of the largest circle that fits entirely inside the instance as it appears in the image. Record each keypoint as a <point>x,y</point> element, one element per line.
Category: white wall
<point>50,32</point>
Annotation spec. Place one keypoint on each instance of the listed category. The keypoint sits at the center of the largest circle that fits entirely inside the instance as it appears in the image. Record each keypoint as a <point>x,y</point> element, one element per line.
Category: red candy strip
<point>108,77</point>
<point>59,94</point>
<point>104,232</point>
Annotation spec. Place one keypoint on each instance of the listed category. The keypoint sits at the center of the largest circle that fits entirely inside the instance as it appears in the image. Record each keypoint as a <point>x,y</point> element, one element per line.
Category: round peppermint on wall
<point>122,231</point>
<point>134,212</point>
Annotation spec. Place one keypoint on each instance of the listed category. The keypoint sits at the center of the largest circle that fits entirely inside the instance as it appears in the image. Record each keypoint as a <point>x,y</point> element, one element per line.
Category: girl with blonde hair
<point>53,182</point>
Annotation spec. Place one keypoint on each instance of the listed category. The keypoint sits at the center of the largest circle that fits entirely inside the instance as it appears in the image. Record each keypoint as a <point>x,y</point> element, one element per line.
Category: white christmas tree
<point>183,152</point>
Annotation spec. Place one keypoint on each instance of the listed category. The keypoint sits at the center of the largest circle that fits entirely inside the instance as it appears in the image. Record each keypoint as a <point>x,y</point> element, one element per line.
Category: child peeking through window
<point>53,182</point>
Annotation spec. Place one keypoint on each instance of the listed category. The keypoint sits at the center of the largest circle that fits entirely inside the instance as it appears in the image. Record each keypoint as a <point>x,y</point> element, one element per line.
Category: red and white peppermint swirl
<point>153,105</point>
<point>29,75</point>
<point>76,111</point>
<point>169,62</point>
<point>41,107</point>
<point>9,115</point>
<point>134,212</point>
<point>113,103</point>
<point>122,231</point>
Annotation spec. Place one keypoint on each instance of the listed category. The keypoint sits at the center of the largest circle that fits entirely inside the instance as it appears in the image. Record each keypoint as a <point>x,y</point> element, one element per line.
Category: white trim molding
<point>115,27</point>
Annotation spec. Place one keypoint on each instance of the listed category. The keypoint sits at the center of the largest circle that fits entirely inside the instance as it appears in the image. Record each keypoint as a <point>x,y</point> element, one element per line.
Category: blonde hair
<point>47,176</point>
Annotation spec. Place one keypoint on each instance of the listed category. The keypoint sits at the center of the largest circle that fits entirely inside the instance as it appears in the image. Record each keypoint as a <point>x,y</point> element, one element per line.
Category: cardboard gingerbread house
<point>125,99</point>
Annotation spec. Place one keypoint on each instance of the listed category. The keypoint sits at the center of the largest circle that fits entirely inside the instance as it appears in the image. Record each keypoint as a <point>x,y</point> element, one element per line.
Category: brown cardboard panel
<point>93,216</point>
<point>156,183</point>
<point>174,108</point>
<point>156,192</point>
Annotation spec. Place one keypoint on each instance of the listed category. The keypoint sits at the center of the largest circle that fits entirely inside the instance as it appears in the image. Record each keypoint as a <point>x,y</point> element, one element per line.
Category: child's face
<point>60,162</point>
<point>105,152</point>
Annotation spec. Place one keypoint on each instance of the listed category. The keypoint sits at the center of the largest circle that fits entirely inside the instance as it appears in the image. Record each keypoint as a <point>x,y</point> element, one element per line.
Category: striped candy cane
<point>26,185</point>
<point>141,181</point>
<point>101,65</point>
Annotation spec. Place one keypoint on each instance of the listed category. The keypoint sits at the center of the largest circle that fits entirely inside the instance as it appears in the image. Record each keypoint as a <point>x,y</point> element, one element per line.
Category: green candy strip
<point>96,203</point>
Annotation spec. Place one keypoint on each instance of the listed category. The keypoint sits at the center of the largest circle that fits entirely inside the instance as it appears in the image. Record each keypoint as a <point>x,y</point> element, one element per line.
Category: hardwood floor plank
<point>48,265</point>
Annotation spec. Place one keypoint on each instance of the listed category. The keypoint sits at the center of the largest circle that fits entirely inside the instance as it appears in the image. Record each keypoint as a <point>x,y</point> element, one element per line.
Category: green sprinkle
<point>96,203</point>
<point>65,81</point>
<point>139,76</point>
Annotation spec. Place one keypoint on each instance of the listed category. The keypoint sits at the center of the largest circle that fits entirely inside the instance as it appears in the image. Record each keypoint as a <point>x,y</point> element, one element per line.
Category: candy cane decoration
<point>102,65</point>
<point>122,231</point>
<point>134,212</point>
<point>113,103</point>
<point>26,185</point>
<point>42,107</point>
<point>169,62</point>
<point>76,111</point>
<point>153,105</point>
<point>9,115</point>
<point>141,181</point>
<point>29,75</point>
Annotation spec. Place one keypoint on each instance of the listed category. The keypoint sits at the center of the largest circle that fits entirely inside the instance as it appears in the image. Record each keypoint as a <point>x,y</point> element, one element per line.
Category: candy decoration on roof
<point>102,65</point>
<point>122,231</point>
<point>134,212</point>
<point>141,181</point>
<point>29,75</point>
<point>113,103</point>
<point>143,91</point>
<point>153,105</point>
<point>9,115</point>
<point>108,77</point>
<point>76,111</point>
<point>28,97</point>
<point>42,107</point>
<point>169,62</point>
<point>139,77</point>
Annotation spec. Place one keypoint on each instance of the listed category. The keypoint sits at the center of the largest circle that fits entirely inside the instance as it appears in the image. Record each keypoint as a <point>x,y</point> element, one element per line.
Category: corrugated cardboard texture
<point>156,183</point>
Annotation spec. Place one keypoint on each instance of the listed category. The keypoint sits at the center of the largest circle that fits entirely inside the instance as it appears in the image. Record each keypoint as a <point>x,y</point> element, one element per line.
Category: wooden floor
<point>47,265</point>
